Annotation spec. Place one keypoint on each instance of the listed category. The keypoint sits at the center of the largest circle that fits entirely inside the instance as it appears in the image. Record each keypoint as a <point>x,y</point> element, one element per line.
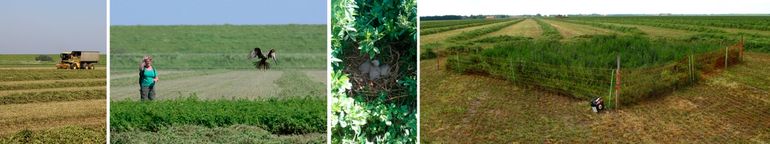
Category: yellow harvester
<point>78,60</point>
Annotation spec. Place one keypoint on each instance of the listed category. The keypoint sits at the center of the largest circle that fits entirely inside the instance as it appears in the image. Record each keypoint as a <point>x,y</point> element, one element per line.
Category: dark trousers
<point>147,92</point>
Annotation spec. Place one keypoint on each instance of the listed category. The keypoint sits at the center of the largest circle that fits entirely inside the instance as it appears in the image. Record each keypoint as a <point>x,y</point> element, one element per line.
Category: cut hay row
<point>526,28</point>
<point>428,31</point>
<point>624,29</point>
<point>549,32</point>
<point>570,30</point>
<point>57,95</point>
<point>60,89</point>
<point>52,84</point>
<point>448,23</point>
<point>482,31</point>
<point>49,74</point>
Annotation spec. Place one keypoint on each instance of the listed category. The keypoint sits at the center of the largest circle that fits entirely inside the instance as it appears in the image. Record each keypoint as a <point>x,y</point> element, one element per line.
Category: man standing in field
<point>147,79</point>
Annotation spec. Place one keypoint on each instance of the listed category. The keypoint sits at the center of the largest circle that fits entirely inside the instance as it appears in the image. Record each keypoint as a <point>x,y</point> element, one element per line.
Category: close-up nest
<point>371,85</point>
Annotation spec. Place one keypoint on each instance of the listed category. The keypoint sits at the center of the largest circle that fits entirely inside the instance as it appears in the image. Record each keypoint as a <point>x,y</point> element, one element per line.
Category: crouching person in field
<point>148,76</point>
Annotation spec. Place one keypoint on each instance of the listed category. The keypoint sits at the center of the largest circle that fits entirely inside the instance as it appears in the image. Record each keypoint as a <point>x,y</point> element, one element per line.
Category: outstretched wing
<point>256,53</point>
<point>271,54</point>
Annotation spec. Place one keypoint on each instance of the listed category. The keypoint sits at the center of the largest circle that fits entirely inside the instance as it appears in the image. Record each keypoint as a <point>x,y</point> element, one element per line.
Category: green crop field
<point>671,70</point>
<point>42,104</point>
<point>210,64</point>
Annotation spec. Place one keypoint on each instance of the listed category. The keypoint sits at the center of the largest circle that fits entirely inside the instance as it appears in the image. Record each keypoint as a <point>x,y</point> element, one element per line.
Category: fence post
<point>690,61</point>
<point>612,80</point>
<point>617,84</point>
<point>513,69</point>
<point>726,48</point>
<point>438,63</point>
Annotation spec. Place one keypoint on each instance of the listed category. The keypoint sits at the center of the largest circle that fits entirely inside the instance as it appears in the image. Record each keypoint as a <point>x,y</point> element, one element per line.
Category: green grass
<point>201,134</point>
<point>217,46</point>
<point>279,116</point>
<point>68,134</point>
<point>295,83</point>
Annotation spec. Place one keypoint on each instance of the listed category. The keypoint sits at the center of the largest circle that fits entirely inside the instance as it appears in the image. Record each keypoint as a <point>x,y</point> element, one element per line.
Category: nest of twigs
<point>370,88</point>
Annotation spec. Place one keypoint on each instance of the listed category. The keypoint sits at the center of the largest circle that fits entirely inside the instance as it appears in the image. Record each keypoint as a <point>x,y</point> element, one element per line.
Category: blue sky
<point>206,12</point>
<point>52,26</point>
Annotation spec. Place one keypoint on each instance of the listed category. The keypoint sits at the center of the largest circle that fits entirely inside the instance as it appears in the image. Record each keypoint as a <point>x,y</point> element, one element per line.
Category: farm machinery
<point>78,60</point>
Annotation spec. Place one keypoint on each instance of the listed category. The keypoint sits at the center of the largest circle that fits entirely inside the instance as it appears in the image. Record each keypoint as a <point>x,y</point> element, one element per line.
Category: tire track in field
<point>62,89</point>
<point>37,116</point>
<point>247,84</point>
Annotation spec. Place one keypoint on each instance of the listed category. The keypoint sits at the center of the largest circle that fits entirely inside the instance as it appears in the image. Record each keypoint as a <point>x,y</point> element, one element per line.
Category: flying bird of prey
<point>262,64</point>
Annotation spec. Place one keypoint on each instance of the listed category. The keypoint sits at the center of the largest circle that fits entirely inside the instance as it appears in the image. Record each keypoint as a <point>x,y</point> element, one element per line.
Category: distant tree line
<point>459,17</point>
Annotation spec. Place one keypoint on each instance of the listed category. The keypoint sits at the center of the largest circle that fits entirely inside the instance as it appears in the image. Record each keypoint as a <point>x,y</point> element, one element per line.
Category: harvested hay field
<point>52,106</point>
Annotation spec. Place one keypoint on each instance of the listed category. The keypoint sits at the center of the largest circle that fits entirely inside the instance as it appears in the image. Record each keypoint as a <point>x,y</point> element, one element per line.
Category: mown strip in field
<point>447,23</point>
<point>52,84</point>
<point>570,30</point>
<point>50,96</point>
<point>624,29</point>
<point>428,31</point>
<point>549,32</point>
<point>279,116</point>
<point>49,74</point>
<point>526,28</point>
<point>479,32</point>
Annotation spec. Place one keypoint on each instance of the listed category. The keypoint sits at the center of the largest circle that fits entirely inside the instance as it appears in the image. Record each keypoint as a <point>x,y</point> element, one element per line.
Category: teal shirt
<point>148,79</point>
